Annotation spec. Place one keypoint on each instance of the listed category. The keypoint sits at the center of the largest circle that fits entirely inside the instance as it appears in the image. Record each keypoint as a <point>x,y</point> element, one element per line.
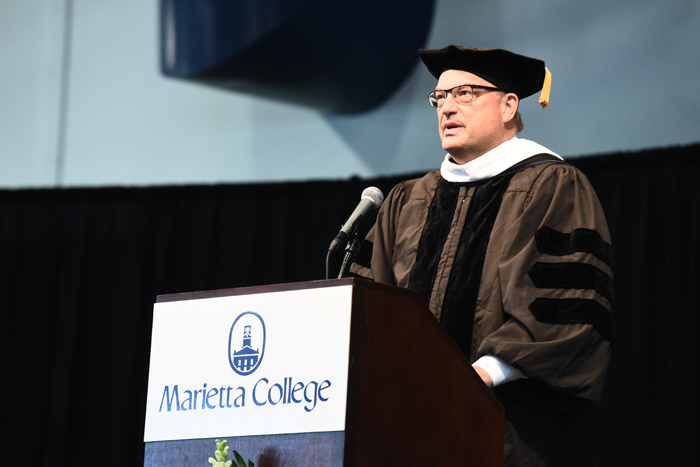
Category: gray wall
<point>82,102</point>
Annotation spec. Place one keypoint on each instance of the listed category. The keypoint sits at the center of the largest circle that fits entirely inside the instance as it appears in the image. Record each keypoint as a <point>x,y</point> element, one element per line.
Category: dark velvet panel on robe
<point>463,286</point>
<point>433,239</point>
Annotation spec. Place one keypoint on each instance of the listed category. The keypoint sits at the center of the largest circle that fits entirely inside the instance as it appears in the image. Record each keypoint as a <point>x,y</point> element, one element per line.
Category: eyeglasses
<point>462,94</point>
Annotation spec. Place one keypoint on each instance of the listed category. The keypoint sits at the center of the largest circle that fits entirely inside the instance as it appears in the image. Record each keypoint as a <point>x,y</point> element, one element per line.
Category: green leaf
<point>219,456</point>
<point>239,459</point>
<point>212,461</point>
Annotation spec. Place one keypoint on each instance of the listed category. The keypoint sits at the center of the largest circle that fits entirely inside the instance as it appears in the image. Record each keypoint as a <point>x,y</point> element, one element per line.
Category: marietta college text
<point>228,397</point>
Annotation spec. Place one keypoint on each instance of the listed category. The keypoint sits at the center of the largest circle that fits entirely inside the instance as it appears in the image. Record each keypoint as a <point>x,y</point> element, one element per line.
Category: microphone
<point>371,199</point>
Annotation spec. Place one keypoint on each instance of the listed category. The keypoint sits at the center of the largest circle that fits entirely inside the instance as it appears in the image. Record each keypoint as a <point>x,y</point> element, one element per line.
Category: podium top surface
<point>255,290</point>
<point>259,289</point>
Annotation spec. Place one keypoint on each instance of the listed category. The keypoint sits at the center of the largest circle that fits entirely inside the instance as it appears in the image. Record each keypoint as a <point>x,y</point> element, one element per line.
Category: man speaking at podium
<point>509,247</point>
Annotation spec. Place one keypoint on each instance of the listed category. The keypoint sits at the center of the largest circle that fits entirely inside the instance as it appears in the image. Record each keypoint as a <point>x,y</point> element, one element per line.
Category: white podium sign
<point>246,365</point>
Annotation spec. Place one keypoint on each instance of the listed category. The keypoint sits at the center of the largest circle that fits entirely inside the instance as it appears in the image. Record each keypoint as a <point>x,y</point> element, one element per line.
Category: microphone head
<point>374,194</point>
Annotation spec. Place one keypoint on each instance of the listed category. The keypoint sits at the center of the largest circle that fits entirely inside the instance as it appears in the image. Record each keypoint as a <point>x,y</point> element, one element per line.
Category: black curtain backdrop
<point>80,270</point>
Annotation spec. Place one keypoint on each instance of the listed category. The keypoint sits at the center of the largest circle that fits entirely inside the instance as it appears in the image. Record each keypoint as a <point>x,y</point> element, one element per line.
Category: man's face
<point>469,130</point>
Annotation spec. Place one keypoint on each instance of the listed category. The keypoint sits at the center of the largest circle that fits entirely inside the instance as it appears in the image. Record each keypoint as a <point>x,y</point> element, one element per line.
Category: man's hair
<point>518,122</point>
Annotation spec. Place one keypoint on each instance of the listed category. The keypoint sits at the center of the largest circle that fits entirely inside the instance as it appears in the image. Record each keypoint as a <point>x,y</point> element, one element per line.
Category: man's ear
<point>510,106</point>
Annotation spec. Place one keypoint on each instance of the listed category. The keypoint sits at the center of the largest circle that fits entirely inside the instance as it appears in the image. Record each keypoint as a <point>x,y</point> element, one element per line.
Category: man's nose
<point>450,105</point>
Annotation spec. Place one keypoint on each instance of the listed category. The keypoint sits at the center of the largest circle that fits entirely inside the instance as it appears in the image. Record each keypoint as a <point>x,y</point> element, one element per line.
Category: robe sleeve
<point>555,277</point>
<point>379,242</point>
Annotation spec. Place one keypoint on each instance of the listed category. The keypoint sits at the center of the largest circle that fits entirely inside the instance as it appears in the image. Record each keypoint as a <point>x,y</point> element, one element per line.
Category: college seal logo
<point>246,343</point>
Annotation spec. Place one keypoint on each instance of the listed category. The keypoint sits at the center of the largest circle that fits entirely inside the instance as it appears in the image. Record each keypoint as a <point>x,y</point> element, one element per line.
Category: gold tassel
<point>546,87</point>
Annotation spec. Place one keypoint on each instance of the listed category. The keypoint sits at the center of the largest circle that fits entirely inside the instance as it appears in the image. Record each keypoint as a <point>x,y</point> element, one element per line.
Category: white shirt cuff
<point>499,371</point>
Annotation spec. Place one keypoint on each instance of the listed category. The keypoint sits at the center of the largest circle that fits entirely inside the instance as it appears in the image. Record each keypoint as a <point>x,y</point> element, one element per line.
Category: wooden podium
<point>412,396</point>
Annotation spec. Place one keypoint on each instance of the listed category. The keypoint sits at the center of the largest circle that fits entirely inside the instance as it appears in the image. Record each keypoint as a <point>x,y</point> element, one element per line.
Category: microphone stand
<point>350,250</point>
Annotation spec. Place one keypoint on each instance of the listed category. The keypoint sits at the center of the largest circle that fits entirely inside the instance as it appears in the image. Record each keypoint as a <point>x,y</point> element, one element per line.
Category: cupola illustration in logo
<point>246,343</point>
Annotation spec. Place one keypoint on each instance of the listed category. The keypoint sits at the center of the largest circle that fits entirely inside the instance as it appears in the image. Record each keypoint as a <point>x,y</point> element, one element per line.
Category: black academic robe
<point>517,266</point>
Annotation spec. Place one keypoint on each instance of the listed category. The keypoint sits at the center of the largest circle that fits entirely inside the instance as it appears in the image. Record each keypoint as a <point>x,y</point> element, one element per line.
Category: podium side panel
<point>413,398</point>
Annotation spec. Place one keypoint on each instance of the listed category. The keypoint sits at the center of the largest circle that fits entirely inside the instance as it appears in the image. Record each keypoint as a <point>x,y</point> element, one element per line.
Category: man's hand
<point>484,376</point>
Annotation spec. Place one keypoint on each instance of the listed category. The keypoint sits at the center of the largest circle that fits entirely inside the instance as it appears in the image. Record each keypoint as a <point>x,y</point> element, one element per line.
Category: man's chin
<point>453,150</point>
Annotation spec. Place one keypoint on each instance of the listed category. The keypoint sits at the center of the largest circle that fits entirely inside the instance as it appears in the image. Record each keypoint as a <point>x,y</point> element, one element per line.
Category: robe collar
<point>494,162</point>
